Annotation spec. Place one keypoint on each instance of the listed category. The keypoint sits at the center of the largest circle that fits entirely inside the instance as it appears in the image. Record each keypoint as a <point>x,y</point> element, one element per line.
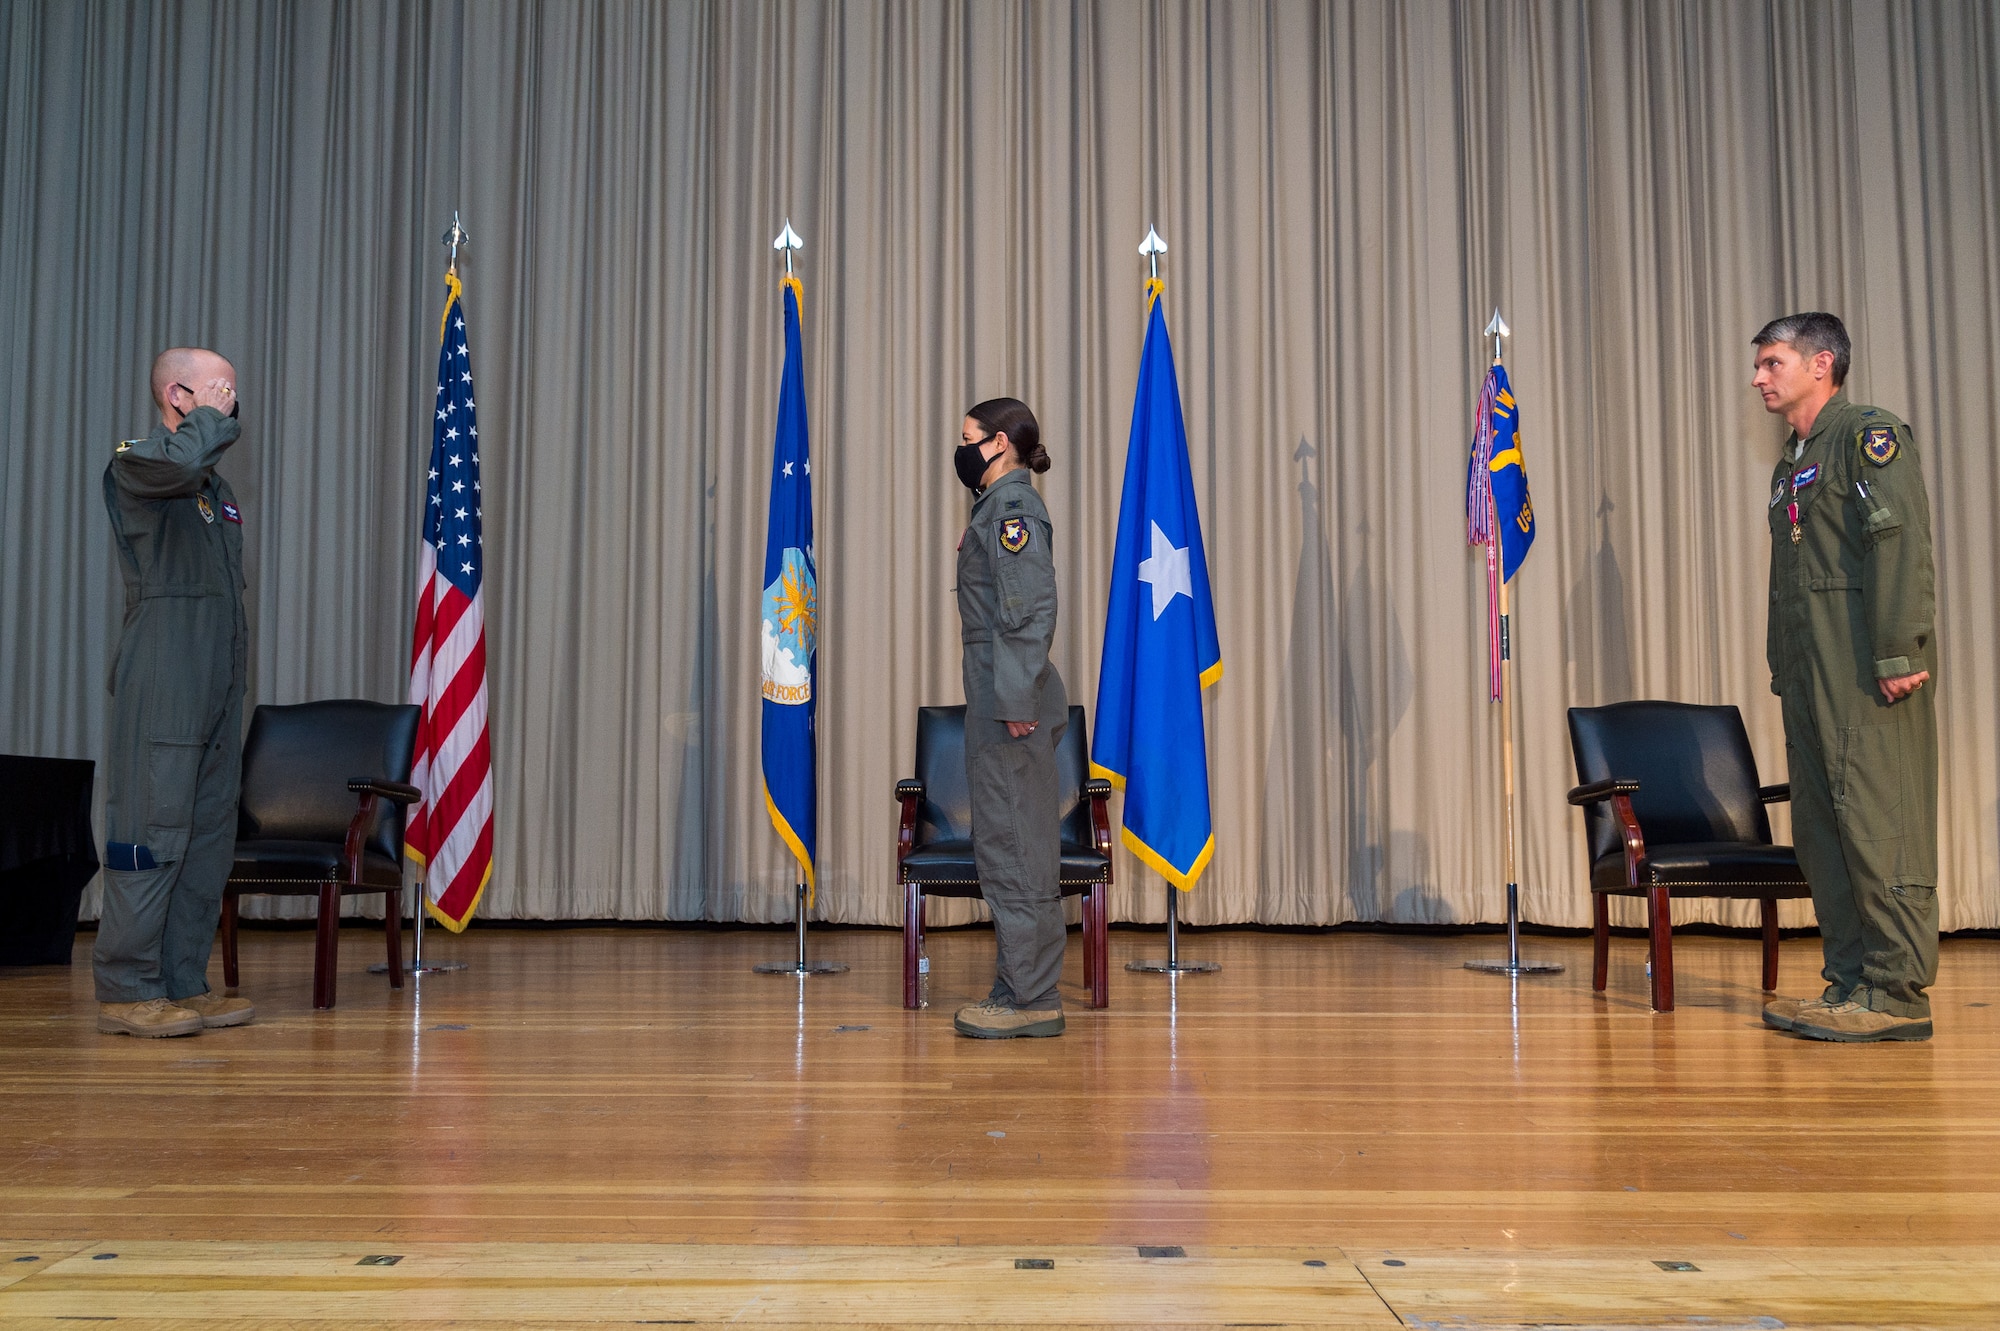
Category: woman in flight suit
<point>1015,714</point>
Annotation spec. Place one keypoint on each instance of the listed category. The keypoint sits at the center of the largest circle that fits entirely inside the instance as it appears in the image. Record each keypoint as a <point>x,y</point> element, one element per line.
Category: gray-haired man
<point>1851,653</point>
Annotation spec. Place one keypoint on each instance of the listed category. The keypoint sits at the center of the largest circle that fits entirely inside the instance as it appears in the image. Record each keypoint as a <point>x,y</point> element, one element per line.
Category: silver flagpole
<point>787,241</point>
<point>454,236</point>
<point>1496,328</point>
<point>799,965</point>
<point>1172,964</point>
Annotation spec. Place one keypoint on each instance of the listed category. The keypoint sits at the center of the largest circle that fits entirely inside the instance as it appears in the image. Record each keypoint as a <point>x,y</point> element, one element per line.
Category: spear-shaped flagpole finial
<point>1496,328</point>
<point>788,240</point>
<point>455,237</point>
<point>1153,247</point>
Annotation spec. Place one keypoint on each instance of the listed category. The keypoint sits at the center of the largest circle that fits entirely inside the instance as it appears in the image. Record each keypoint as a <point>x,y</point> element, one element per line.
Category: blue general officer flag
<point>1160,644</point>
<point>1499,514</point>
<point>791,613</point>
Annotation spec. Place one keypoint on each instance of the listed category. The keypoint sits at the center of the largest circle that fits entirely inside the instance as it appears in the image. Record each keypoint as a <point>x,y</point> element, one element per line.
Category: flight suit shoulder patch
<point>127,445</point>
<point>1879,445</point>
<point>1014,536</point>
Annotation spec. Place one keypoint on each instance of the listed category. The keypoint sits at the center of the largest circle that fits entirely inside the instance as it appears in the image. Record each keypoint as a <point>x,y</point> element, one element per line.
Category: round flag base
<point>1163,966</point>
<point>799,967</point>
<point>1501,966</point>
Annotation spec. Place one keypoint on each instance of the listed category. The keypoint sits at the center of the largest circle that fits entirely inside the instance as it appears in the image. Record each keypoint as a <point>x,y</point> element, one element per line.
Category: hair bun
<point>1010,416</point>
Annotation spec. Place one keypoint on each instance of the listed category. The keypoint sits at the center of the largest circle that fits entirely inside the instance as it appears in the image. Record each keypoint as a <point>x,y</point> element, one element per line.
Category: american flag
<point>450,830</point>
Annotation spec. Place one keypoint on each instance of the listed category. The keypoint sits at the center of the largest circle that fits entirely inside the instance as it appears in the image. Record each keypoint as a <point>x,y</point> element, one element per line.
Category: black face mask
<point>972,463</point>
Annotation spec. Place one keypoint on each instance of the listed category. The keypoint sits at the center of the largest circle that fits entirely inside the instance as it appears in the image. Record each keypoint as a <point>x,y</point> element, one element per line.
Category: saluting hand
<point>217,393</point>
<point>1902,686</point>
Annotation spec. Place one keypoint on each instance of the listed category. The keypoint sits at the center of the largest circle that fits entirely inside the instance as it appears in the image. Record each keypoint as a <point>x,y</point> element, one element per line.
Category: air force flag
<point>1160,644</point>
<point>791,614</point>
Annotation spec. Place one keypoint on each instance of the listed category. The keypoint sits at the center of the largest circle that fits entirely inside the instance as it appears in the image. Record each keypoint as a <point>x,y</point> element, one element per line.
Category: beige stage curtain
<point>1348,190</point>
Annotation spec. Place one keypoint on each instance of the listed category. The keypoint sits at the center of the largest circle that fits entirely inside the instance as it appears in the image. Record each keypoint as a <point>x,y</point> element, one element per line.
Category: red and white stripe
<point>450,831</point>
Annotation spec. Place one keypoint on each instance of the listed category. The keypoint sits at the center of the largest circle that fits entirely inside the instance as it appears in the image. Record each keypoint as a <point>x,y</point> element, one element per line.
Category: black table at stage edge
<point>48,854</point>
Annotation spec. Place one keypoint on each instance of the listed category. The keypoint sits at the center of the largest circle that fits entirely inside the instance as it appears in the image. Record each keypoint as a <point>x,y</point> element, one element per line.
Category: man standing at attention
<point>1850,647</point>
<point>176,708</point>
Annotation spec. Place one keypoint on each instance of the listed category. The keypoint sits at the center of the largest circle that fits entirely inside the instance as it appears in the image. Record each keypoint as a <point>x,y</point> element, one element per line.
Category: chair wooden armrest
<point>1599,791</point>
<point>1098,791</point>
<point>909,793</point>
<point>398,791</point>
<point>1635,840</point>
<point>357,833</point>
<point>1778,794</point>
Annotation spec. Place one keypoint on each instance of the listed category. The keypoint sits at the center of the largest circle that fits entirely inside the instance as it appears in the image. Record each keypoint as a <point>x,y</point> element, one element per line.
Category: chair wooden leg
<point>1600,941</point>
<point>392,921</point>
<point>326,946</point>
<point>1083,931</point>
<point>913,941</point>
<point>228,943</point>
<point>1770,906</point>
<point>1659,909</point>
<point>1096,924</point>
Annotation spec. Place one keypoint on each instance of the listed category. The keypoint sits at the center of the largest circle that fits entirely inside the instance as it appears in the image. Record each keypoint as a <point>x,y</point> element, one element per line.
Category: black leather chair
<point>48,855</point>
<point>934,839</point>
<point>1672,808</point>
<point>321,814</point>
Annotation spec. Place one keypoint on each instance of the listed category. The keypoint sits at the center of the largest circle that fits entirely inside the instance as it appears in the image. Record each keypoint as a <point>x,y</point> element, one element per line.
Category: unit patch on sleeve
<point>1014,535</point>
<point>231,512</point>
<point>1879,443</point>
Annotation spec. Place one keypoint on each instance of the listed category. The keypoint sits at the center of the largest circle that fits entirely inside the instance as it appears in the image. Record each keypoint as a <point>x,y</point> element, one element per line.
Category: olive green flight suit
<point>175,753</point>
<point>1852,602</point>
<point>1007,609</point>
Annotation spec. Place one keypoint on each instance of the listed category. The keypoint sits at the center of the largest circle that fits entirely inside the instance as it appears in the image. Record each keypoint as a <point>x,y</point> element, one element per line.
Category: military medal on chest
<point>1800,480</point>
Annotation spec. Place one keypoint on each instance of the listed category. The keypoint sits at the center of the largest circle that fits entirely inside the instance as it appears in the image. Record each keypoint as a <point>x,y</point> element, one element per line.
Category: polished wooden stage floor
<point>1336,1130</point>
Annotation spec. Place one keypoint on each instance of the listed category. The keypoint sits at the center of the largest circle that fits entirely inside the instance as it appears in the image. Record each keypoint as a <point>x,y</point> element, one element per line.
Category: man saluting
<point>1850,646</point>
<point>176,708</point>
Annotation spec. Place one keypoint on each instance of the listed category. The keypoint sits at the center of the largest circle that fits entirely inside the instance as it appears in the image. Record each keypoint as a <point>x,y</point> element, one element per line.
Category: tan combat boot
<point>1784,1013</point>
<point>155,1016</point>
<point>996,1021</point>
<point>216,1010</point>
<point>1851,1023</point>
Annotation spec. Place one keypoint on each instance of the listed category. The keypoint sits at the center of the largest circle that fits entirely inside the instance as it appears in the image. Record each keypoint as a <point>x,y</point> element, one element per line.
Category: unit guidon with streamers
<point>450,829</point>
